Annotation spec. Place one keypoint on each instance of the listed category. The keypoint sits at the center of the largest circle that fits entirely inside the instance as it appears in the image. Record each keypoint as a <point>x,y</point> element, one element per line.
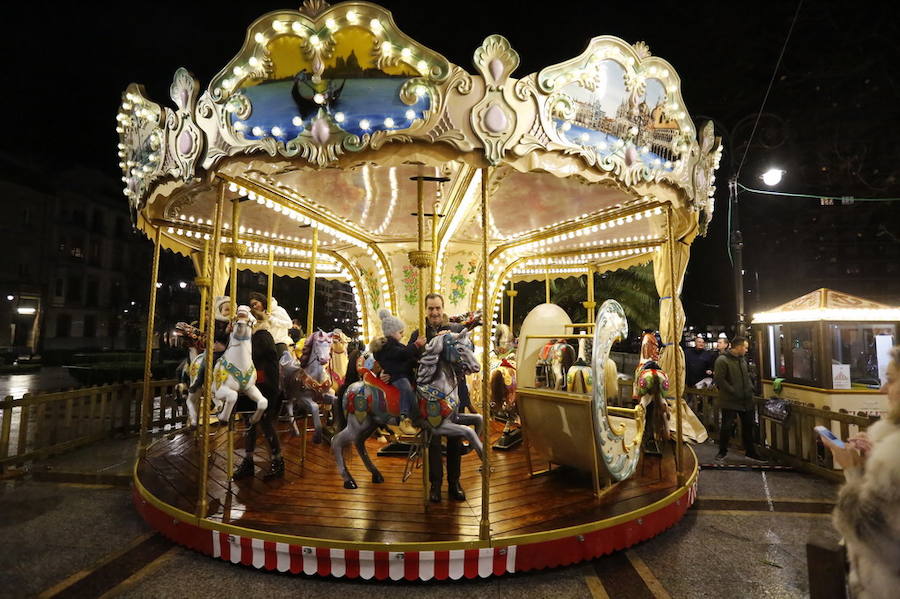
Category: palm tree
<point>634,288</point>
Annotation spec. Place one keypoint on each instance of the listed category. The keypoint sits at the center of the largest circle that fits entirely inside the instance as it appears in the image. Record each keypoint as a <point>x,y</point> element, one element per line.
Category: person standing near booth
<point>735,397</point>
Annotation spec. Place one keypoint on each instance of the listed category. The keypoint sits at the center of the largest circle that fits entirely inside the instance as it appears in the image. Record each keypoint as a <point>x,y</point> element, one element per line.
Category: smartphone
<point>829,435</point>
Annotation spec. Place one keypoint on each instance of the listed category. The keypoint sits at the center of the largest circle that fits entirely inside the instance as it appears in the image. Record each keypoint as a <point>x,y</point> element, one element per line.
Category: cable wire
<point>814,196</point>
<point>768,90</point>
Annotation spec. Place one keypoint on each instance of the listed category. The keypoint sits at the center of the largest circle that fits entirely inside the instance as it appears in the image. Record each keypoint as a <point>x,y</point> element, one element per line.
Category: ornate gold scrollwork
<point>494,119</point>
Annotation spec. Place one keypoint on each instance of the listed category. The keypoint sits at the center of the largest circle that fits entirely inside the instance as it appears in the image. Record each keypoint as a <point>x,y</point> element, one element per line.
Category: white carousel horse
<point>193,340</point>
<point>370,404</point>
<point>562,356</point>
<point>580,378</point>
<point>234,372</point>
<point>308,381</point>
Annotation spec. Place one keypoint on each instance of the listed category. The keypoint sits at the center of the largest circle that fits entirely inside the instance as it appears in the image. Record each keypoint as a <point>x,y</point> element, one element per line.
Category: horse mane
<point>307,351</point>
<point>428,363</point>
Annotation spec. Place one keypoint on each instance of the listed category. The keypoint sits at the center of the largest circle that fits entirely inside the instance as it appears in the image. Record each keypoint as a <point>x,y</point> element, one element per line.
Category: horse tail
<point>340,416</point>
<point>498,392</point>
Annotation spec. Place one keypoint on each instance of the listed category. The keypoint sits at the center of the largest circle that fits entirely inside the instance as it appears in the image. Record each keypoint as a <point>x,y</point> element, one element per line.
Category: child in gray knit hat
<point>399,361</point>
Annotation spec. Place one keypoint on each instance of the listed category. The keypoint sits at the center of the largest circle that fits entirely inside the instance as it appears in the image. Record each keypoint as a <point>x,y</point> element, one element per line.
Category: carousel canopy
<point>326,114</point>
<point>828,305</point>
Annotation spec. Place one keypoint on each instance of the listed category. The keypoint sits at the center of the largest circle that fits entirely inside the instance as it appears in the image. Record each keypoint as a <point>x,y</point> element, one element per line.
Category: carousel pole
<point>270,280</point>
<point>547,284</point>
<point>434,244</point>
<point>235,215</point>
<point>485,527</point>
<point>311,300</point>
<point>210,340</point>
<point>202,283</point>
<point>675,334</point>
<point>512,293</point>
<point>590,304</point>
<point>419,263</point>
<point>146,406</point>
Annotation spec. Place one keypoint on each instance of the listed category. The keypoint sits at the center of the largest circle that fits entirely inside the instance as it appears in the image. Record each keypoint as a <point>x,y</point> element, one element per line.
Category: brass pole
<point>547,284</point>
<point>235,216</point>
<point>420,199</point>
<point>590,304</point>
<point>204,289</point>
<point>434,245</point>
<point>146,405</point>
<point>512,293</point>
<point>271,279</point>
<point>311,304</point>
<point>675,337</point>
<point>501,304</point>
<point>208,358</point>
<point>485,527</point>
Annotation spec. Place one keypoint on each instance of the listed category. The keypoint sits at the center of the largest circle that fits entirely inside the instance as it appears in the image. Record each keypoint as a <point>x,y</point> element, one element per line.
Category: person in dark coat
<point>265,360</point>
<point>437,323</point>
<point>698,361</point>
<point>735,397</point>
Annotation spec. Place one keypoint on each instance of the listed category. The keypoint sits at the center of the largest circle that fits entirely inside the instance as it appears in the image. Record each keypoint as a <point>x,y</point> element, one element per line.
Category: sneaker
<point>720,457</point>
<point>407,428</point>
<point>755,458</point>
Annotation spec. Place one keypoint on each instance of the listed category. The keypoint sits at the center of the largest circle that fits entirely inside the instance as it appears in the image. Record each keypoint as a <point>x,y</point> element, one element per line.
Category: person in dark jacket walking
<point>735,397</point>
<point>698,362</point>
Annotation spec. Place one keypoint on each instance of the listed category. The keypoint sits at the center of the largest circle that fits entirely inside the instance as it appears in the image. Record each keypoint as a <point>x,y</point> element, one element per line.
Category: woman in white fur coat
<point>868,507</point>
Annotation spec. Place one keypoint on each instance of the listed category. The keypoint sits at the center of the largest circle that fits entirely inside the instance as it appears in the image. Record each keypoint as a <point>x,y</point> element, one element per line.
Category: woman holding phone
<point>868,508</point>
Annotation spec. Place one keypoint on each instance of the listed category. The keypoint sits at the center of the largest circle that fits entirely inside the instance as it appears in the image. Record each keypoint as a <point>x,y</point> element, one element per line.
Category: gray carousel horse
<point>370,403</point>
<point>308,381</point>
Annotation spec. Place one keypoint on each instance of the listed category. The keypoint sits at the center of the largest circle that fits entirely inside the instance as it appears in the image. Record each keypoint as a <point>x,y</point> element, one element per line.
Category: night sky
<point>830,121</point>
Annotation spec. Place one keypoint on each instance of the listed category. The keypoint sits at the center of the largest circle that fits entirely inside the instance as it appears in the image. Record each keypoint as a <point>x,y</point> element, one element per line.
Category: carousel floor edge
<point>422,552</point>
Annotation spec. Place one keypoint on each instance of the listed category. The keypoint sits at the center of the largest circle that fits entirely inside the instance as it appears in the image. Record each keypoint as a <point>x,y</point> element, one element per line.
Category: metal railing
<point>43,424</point>
<point>792,442</point>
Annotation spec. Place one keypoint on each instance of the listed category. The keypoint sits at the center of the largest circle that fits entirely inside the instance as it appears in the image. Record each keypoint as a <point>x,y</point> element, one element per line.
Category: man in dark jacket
<point>436,322</point>
<point>735,397</point>
<point>698,361</point>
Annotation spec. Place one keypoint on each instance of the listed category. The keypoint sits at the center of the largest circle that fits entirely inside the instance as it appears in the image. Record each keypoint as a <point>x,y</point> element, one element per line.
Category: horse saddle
<point>378,398</point>
<point>434,405</point>
<point>544,354</point>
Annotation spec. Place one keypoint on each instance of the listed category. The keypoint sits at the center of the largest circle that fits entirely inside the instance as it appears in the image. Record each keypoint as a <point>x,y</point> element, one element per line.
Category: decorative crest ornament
<point>642,50</point>
<point>313,8</point>
<point>186,139</point>
<point>142,145</point>
<point>708,158</point>
<point>494,118</point>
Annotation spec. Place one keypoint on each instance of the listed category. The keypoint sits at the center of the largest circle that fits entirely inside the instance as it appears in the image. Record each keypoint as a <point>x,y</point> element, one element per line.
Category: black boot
<point>245,469</point>
<point>455,491</point>
<point>435,495</point>
<point>276,470</point>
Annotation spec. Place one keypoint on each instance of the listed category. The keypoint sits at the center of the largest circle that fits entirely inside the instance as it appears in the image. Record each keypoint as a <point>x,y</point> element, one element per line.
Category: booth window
<point>865,348</point>
<point>803,354</point>
<point>776,367</point>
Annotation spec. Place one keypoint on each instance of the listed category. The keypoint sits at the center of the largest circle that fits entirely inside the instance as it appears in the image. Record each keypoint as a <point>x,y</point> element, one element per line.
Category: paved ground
<point>65,535</point>
<point>48,378</point>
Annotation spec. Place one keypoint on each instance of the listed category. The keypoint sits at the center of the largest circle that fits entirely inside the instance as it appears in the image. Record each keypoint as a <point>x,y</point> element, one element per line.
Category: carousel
<point>333,146</point>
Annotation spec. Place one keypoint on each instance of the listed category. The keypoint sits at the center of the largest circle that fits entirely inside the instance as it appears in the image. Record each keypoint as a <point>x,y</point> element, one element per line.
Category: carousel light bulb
<point>364,124</point>
<point>331,24</point>
<point>314,40</point>
<point>259,38</point>
<point>406,53</point>
<point>277,132</point>
<point>352,17</point>
<point>422,66</point>
<point>386,48</point>
<point>297,26</point>
<point>375,24</point>
<point>389,123</point>
<point>258,131</point>
<point>410,114</point>
<point>297,121</point>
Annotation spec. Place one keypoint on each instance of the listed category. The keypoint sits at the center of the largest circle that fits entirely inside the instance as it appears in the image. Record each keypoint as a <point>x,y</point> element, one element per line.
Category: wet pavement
<point>745,537</point>
<point>48,378</point>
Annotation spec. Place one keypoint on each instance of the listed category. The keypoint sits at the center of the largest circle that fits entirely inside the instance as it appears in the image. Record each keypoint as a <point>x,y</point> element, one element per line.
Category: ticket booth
<point>831,350</point>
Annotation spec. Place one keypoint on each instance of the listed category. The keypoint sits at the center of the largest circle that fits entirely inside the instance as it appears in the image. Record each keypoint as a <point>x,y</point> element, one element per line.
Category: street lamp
<point>772,176</point>
<point>182,284</point>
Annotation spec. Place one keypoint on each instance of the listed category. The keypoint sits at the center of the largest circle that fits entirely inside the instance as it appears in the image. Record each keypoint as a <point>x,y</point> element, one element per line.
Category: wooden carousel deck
<point>313,509</point>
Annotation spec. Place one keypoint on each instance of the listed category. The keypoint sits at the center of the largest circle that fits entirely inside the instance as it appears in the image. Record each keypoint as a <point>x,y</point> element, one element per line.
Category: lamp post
<point>771,177</point>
